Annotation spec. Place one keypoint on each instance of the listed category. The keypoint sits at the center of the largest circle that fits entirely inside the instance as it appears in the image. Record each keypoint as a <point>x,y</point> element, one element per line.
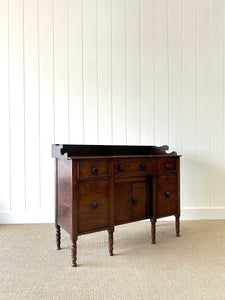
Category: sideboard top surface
<point>73,151</point>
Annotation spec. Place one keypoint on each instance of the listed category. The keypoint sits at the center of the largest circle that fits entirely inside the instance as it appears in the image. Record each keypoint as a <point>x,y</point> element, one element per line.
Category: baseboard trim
<point>7,217</point>
<point>203,213</point>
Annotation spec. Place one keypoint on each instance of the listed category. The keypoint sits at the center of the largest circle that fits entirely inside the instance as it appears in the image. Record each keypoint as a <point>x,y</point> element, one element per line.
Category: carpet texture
<point>189,267</point>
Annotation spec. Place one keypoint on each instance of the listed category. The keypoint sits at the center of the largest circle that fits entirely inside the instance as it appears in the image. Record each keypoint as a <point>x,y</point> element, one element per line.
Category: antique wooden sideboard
<point>98,187</point>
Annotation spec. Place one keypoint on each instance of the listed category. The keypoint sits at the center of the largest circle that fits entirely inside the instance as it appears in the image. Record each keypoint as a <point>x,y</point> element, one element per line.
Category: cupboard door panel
<point>139,199</point>
<point>93,205</point>
<point>123,202</point>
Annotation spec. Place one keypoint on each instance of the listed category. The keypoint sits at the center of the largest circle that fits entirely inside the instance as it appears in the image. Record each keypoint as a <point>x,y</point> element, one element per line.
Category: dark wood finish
<point>166,195</point>
<point>139,200</point>
<point>98,187</point>
<point>58,237</point>
<point>110,237</point>
<point>64,184</point>
<point>123,202</point>
<point>127,166</point>
<point>74,251</point>
<point>93,169</point>
<point>165,165</point>
<point>153,222</point>
<point>177,226</point>
<point>65,151</point>
<point>93,207</point>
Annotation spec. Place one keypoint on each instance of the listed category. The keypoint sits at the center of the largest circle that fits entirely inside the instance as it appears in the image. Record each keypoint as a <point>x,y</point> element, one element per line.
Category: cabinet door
<point>139,200</point>
<point>93,207</point>
<point>123,202</point>
<point>166,195</point>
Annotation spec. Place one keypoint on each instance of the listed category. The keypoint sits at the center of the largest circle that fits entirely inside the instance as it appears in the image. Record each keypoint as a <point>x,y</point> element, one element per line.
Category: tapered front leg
<point>74,251</point>
<point>153,222</point>
<point>177,226</point>
<point>58,237</point>
<point>110,239</point>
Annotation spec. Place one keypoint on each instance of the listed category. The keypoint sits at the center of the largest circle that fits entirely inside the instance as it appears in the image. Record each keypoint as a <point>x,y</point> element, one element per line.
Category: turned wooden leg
<point>74,251</point>
<point>177,226</point>
<point>110,239</point>
<point>153,221</point>
<point>58,237</point>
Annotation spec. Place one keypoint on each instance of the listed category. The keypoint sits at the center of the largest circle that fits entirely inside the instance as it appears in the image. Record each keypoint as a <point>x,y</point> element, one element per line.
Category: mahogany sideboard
<point>98,187</point>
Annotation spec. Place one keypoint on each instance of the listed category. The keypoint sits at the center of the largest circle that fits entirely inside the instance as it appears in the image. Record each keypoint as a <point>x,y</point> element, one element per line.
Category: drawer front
<point>93,169</point>
<point>166,195</point>
<point>132,166</point>
<point>167,164</point>
<point>93,207</point>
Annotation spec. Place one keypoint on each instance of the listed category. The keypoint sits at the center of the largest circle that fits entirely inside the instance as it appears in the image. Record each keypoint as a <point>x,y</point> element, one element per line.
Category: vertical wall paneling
<point>147,81</point>
<point>16,81</point>
<point>118,72</point>
<point>90,66</point>
<point>61,71</point>
<point>75,38</point>
<point>203,103</point>
<point>161,72</point>
<point>46,28</point>
<point>175,74</point>
<point>31,98</point>
<point>4,110</point>
<point>133,71</point>
<point>189,113</point>
<point>111,72</point>
<point>104,71</point>
<point>217,102</point>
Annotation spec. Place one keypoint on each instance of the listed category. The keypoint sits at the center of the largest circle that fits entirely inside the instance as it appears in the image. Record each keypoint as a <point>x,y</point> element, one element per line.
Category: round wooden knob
<point>143,166</point>
<point>167,194</point>
<point>94,170</point>
<point>121,167</point>
<point>94,204</point>
<point>135,201</point>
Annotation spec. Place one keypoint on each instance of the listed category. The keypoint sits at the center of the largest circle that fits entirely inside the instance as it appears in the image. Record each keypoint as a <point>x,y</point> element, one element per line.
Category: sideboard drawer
<point>93,169</point>
<point>166,195</point>
<point>165,165</point>
<point>132,166</point>
<point>93,205</point>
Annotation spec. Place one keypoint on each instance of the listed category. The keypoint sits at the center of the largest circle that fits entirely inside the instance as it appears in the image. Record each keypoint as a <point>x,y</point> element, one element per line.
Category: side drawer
<point>132,166</point>
<point>166,164</point>
<point>167,201</point>
<point>89,169</point>
<point>93,205</point>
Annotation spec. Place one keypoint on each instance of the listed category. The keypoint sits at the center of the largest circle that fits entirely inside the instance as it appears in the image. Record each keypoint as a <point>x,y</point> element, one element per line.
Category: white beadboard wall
<point>111,72</point>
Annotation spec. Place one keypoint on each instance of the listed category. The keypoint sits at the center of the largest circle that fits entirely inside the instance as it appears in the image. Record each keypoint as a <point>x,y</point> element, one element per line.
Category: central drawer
<point>132,166</point>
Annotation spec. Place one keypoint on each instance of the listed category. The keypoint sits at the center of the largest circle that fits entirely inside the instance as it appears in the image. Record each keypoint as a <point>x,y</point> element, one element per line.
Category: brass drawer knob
<point>167,194</point>
<point>94,204</point>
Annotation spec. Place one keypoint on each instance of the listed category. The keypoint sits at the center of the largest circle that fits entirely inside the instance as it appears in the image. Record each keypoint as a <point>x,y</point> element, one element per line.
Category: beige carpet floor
<point>189,267</point>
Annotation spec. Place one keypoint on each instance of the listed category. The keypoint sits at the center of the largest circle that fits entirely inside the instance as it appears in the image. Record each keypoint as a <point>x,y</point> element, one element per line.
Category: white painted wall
<point>110,72</point>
